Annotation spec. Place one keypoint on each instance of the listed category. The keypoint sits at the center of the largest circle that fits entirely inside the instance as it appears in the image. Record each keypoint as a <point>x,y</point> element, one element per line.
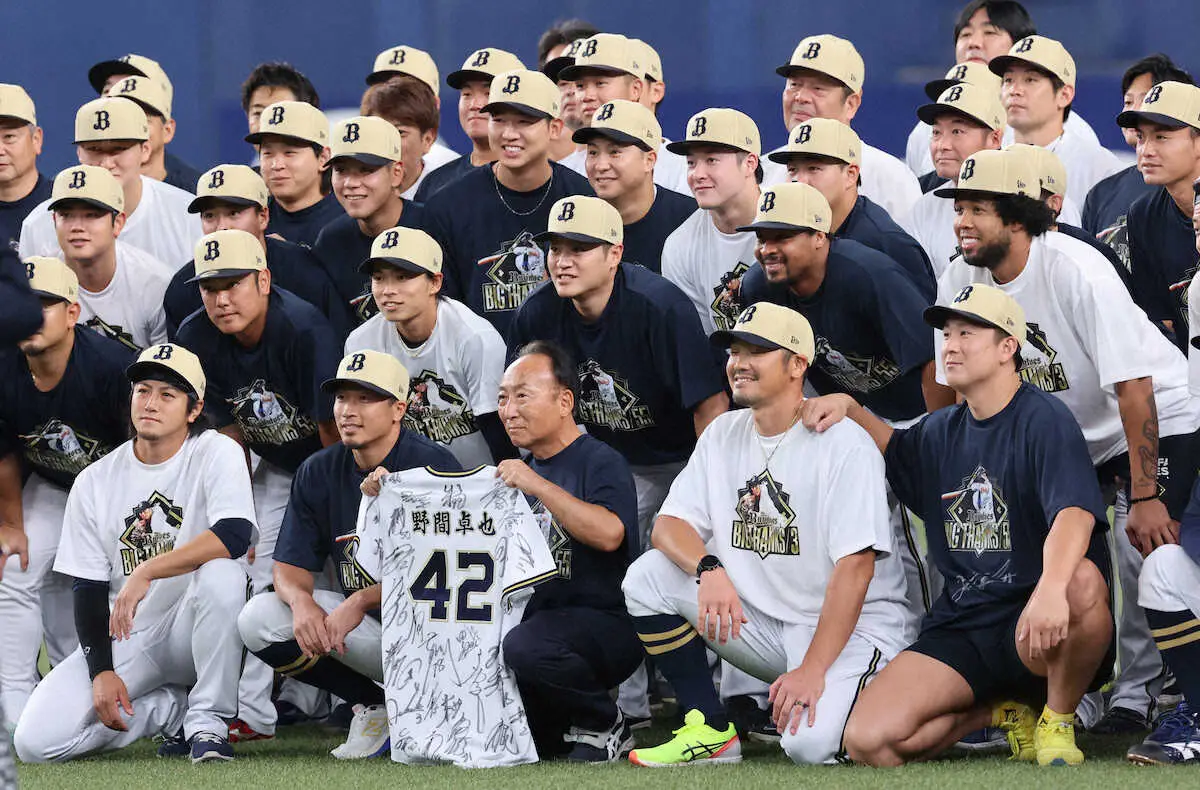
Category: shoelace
<point>1174,720</point>
<point>208,737</point>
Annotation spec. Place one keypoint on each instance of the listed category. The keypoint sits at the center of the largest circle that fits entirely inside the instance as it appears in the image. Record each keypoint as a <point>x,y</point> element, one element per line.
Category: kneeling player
<point>319,637</point>
<point>151,535</point>
<point>1024,613</point>
<point>788,533</point>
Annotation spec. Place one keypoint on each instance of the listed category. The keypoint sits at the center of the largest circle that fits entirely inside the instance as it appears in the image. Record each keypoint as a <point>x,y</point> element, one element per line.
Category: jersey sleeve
<point>227,481</point>
<point>855,474</point>
<point>482,358</point>
<point>610,485</point>
<point>82,552</point>
<point>684,349</point>
<point>904,462</point>
<point>674,266</point>
<point>527,561</point>
<point>688,500</point>
<point>304,534</point>
<point>899,310</point>
<point>1062,469</point>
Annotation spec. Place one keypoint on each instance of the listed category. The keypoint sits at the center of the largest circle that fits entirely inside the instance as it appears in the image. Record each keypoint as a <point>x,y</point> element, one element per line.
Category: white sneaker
<point>368,734</point>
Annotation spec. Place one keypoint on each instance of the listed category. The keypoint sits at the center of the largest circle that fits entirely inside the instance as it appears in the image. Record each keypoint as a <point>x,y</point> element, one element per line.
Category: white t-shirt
<point>885,180</point>
<point>919,160</point>
<point>458,555</point>
<point>130,309</point>
<point>160,226</point>
<point>670,170</point>
<point>455,376</point>
<point>1086,161</point>
<point>122,512</point>
<point>708,265</point>
<point>439,154</point>
<point>1085,334</point>
<point>780,527</point>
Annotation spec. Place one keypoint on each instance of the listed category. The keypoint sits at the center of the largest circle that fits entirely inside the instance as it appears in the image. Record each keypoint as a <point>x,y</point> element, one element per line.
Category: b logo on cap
<point>768,202</point>
<point>217,180</point>
<point>589,48</point>
<point>700,127</point>
<point>1025,45</point>
<point>481,58</point>
<point>747,315</point>
<point>968,170</point>
<point>390,239</point>
<point>955,94</point>
<point>128,85</point>
<point>513,84</point>
<point>964,294</point>
<point>351,133</point>
<point>1153,95</point>
<point>78,180</point>
<point>356,363</point>
<point>102,121</point>
<point>605,112</point>
<point>567,213</point>
<point>397,57</point>
<point>814,49</point>
<point>276,116</point>
<point>803,134</point>
<point>960,72</point>
<point>164,352</point>
<point>29,267</point>
<point>212,250</point>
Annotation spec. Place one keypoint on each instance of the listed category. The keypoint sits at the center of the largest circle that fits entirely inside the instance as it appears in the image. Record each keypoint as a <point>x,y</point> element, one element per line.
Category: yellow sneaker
<point>1055,739</point>
<point>695,743</point>
<point>1019,725</point>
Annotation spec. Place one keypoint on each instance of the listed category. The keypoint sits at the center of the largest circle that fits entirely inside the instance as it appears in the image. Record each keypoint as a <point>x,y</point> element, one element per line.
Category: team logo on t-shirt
<point>1040,368</point>
<point>266,417</point>
<point>764,519</point>
<point>556,538</point>
<point>1116,236</point>
<point>727,299</point>
<point>57,446</point>
<point>115,331</point>
<point>150,530</point>
<point>855,373</point>
<point>351,575</point>
<point>512,273</point>
<point>606,400</point>
<point>977,516</point>
<point>436,410</point>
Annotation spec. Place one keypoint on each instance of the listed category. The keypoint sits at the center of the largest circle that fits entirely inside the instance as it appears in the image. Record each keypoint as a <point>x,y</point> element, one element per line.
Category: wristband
<point>1141,499</point>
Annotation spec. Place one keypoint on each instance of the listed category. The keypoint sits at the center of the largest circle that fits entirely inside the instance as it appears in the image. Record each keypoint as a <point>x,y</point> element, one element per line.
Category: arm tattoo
<point>1148,452</point>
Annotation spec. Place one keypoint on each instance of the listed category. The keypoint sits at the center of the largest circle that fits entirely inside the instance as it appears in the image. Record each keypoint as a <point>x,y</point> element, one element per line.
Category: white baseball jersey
<point>1084,334</point>
<point>885,180</point>
<point>160,226</point>
<point>122,512</point>
<point>708,265</point>
<point>670,169</point>
<point>1193,300</point>
<point>919,160</point>
<point>458,555</point>
<point>454,376</point>
<point>130,309</point>
<point>780,526</point>
<point>439,154</point>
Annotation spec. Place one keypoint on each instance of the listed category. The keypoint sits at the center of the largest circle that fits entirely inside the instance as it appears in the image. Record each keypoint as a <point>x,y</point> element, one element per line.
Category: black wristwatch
<point>708,562</point>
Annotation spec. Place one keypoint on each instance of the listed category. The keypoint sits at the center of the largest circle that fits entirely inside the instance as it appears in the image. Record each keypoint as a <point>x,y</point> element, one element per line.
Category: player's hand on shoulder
<point>516,474</point>
<point>1150,525</point>
<point>120,622</point>
<point>341,621</point>
<point>720,609</point>
<point>110,697</point>
<point>820,414</point>
<point>13,541</point>
<point>794,697</point>
<point>308,624</point>
<point>371,486</point>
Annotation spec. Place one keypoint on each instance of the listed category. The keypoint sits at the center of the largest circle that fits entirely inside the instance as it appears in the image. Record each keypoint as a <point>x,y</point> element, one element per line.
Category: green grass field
<point>299,760</point>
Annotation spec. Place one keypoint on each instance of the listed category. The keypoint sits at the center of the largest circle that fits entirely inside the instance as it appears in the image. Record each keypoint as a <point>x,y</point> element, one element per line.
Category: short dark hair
<point>562,366</point>
<point>279,74</point>
<point>563,32</point>
<point>202,423</point>
<point>402,99</point>
<point>1030,213</point>
<point>1008,15</point>
<point>1160,68</point>
<point>758,169</point>
<point>1058,85</point>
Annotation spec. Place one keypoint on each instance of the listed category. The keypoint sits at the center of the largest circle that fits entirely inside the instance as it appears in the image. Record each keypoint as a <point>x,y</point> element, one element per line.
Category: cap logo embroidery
<point>276,116</point>
<point>102,121</point>
<point>747,315</point>
<point>803,133</point>
<point>397,57</point>
<point>605,112</point>
<point>163,353</point>
<point>351,135</point>
<point>964,294</point>
<point>1153,95</point>
<point>814,49</point>
<point>481,58</point>
<point>589,48</point>
<point>768,202</point>
<point>955,94</point>
<point>217,179</point>
<point>567,213</point>
<point>212,250</point>
<point>390,240</point>
<point>960,72</point>
<point>513,84</point>
<point>968,170</point>
<point>700,127</point>
<point>1025,45</point>
<point>29,268</point>
<point>129,85</point>
<point>78,180</point>
<point>356,363</point>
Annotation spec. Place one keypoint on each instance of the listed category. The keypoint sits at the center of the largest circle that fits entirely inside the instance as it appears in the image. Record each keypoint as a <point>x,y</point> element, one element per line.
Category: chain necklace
<point>545,193</point>
<point>782,438</point>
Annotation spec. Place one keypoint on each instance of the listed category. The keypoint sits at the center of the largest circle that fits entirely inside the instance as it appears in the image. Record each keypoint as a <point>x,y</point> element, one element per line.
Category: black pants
<point>566,662</point>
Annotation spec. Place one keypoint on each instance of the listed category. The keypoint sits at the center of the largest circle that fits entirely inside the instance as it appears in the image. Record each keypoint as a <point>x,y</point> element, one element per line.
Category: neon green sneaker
<point>1055,739</point>
<point>1019,727</point>
<point>695,743</point>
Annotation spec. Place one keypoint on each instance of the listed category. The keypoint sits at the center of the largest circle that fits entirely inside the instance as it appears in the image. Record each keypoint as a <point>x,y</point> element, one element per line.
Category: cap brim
<point>682,147</point>
<point>575,71</point>
<point>21,118</point>
<point>89,201</point>
<point>954,193</point>
<point>218,274</point>
<point>49,295</point>
<point>257,137</point>
<point>201,203</point>
<point>370,160</point>
<point>582,238</point>
<point>724,338</point>
<point>1131,118</point>
<point>524,109</point>
<point>99,74</point>
<point>554,66</point>
<point>589,133</point>
<point>753,226</point>
<point>1002,63</point>
<point>937,316</point>
<point>376,77</point>
<point>456,79</point>
<point>147,107</point>
<point>928,113</point>
<point>398,263</point>
<point>782,156</point>
<point>1196,341</point>
<point>330,385</point>
<point>788,69</point>
<point>935,88</point>
<point>140,371</point>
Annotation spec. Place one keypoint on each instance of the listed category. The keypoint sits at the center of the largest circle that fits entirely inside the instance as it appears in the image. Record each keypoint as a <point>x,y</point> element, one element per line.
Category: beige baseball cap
<point>372,370</point>
<point>52,278</point>
<point>149,93</point>
<point>405,248</point>
<point>1050,169</point>
<point>589,220</point>
<point>791,206</point>
<point>182,366</point>
<point>405,60</point>
<point>651,62</point>
<point>238,185</point>
<point>553,67</point>
<point>107,119</point>
<point>625,122</point>
<point>1044,53</point>
<point>720,126</point>
<point>137,65</point>
<point>296,120</point>
<point>528,92</point>
<point>823,137</point>
<point>88,184</point>
<point>972,72</point>
<point>606,53</point>
<point>15,103</point>
<point>770,326</point>
<point>367,139</point>
<point>976,102</point>
<point>227,253</point>
<point>484,64</point>
<point>829,55</point>
<point>1169,103</point>
<point>991,172</point>
<point>985,305</point>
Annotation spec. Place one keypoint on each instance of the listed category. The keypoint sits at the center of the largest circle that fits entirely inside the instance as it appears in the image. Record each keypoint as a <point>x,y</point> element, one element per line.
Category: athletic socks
<point>324,672</point>
<point>1177,636</point>
<point>679,653</point>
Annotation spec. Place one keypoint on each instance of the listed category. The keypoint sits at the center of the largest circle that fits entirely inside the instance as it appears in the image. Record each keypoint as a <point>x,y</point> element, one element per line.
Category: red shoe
<point>241,732</point>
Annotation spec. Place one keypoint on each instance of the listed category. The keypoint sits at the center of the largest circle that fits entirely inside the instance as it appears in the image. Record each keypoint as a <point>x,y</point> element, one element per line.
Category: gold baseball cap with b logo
<point>371,370</point>
<point>131,64</point>
<point>991,172</point>
<point>227,253</point>
<point>722,127</point>
<point>984,305</point>
<point>606,53</point>
<point>821,137</point>
<point>405,60</point>
<point>770,326</point>
<point>367,139</point>
<point>236,185</point>
<point>971,72</point>
<point>791,206</point>
<point>294,120</point>
<point>974,102</point>
<point>88,184</point>
<point>107,118</point>
<point>15,103</point>
<point>405,248</point>
<point>52,278</point>
<point>1050,170</point>
<point>527,92</point>
<point>624,122</point>
<point>181,366</point>
<point>484,64</point>
<point>1043,53</point>
<point>149,93</point>
<point>829,55</point>
<point>588,220</point>
<point>651,62</point>
<point>1169,103</point>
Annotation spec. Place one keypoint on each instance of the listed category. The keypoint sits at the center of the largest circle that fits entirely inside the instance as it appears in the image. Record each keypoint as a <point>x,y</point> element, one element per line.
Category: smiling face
<point>86,232</point>
<point>616,169</point>
<point>1167,156</point>
<point>364,190</point>
<point>953,138</point>
<point>577,269</point>
<point>520,140</point>
<point>717,175</point>
<point>982,235</point>
<point>364,416</point>
<point>811,94</point>
<point>402,295</point>
<point>757,374</point>
<point>292,169</point>
<point>787,255</point>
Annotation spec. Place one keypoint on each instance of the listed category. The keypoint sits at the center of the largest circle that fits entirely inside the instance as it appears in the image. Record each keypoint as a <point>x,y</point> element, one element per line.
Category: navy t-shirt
<point>989,491</point>
<point>872,339</point>
<point>342,247</point>
<point>1162,248</point>
<point>869,224</point>
<point>324,505</point>
<point>303,226</point>
<point>293,268</point>
<point>13,213</point>
<point>86,415</point>
<point>643,365</point>
<point>180,173</point>
<point>589,470</point>
<point>490,260</point>
<point>436,180</point>
<point>930,181</point>
<point>1111,197</point>
<point>645,238</point>
<point>272,391</point>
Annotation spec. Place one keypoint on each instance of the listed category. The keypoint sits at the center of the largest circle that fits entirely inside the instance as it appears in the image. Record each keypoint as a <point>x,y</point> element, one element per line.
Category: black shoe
<point>638,722</point>
<point>173,745</point>
<point>208,747</point>
<point>341,717</point>
<point>1121,721</point>
<point>288,714</point>
<point>605,746</point>
<point>752,722</point>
